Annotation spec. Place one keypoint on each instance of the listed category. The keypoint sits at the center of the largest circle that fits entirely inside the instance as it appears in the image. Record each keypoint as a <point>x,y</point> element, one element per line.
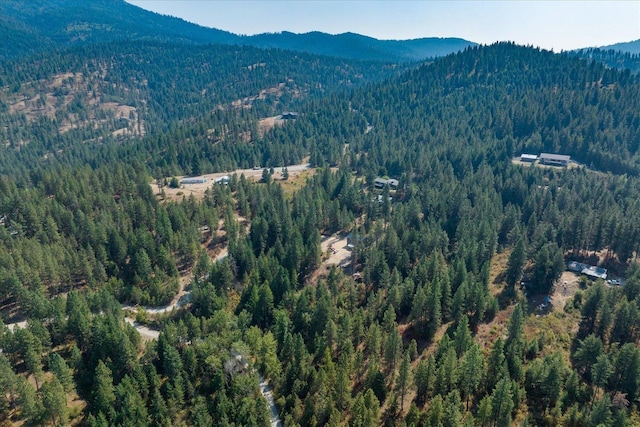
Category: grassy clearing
<point>496,272</point>
<point>556,328</point>
<point>295,182</point>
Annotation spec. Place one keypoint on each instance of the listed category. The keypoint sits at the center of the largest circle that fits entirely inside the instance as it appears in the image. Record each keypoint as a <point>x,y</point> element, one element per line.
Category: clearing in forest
<point>335,250</point>
<point>255,174</point>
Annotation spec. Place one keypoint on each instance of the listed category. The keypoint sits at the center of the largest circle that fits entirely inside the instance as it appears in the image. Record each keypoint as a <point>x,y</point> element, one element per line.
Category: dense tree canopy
<point>432,330</point>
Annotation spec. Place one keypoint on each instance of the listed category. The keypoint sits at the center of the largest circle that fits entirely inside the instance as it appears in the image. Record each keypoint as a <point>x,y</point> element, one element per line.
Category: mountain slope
<point>496,101</point>
<point>40,25</point>
<point>46,24</point>
<point>435,297</point>
<point>115,92</point>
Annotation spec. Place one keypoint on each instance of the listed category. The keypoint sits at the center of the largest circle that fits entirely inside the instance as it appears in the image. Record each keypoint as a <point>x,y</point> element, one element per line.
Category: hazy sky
<point>558,25</point>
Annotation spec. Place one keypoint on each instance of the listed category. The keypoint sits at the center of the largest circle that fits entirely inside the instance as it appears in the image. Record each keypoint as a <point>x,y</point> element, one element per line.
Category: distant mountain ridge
<point>357,46</point>
<point>34,26</point>
<point>632,47</point>
<point>38,25</point>
<point>620,55</point>
<point>611,58</point>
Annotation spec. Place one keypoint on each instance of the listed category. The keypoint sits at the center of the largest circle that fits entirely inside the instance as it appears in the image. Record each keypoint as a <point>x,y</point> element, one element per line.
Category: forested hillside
<point>612,58</point>
<point>451,309</point>
<point>632,47</point>
<point>35,26</point>
<point>66,105</point>
<point>42,25</point>
<point>497,102</point>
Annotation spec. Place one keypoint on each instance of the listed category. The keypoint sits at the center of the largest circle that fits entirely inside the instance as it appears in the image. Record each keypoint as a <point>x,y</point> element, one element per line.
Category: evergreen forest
<point>127,299</point>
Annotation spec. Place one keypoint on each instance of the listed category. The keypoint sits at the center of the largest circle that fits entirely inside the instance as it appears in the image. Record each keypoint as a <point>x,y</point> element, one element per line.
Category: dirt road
<point>564,289</point>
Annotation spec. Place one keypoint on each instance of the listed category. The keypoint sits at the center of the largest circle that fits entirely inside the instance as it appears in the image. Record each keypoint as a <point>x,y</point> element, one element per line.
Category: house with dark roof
<point>381,182</point>
<point>554,159</point>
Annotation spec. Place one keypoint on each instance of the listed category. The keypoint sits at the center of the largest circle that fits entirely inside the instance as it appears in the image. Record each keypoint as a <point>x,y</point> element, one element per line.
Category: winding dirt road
<point>181,298</point>
<point>267,392</point>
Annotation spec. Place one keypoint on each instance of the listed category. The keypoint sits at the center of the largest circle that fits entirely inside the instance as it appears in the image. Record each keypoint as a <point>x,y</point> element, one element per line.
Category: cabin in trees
<point>381,182</point>
<point>554,159</point>
<point>194,180</point>
<point>590,271</point>
<point>353,240</point>
<point>528,158</point>
<point>289,115</point>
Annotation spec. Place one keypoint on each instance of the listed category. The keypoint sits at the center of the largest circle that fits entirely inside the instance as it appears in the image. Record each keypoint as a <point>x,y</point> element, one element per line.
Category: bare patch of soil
<point>564,289</point>
<point>335,251</point>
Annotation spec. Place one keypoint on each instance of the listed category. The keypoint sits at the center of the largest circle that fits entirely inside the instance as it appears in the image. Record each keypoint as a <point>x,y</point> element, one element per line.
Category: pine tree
<point>462,336</point>
<point>485,411</point>
<point>8,383</point>
<point>515,265</point>
<point>31,349</point>
<point>502,403</point>
<point>471,371</point>
<point>404,378</point>
<point>514,347</point>
<point>342,390</point>
<point>587,354</point>
<point>602,371</point>
<point>131,408</point>
<point>269,362</point>
<point>435,414</point>
<point>103,394</point>
<point>424,379</point>
<point>601,414</point>
<point>453,410</point>
<point>547,268</point>
<point>31,406</point>
<point>392,351</point>
<point>54,401</point>
<point>496,365</point>
<point>447,374</point>
<point>58,366</point>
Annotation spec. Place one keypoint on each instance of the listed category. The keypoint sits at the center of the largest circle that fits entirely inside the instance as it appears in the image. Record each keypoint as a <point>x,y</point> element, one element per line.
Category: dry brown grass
<point>266,124</point>
<point>496,272</point>
<point>29,101</point>
<point>295,181</point>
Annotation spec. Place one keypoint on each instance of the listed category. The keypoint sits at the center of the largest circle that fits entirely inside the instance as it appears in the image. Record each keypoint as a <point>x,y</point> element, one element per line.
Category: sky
<point>548,24</point>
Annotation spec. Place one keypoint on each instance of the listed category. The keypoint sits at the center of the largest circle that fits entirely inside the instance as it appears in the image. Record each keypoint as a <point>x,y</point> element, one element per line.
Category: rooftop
<point>550,156</point>
<point>587,270</point>
<point>383,182</point>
